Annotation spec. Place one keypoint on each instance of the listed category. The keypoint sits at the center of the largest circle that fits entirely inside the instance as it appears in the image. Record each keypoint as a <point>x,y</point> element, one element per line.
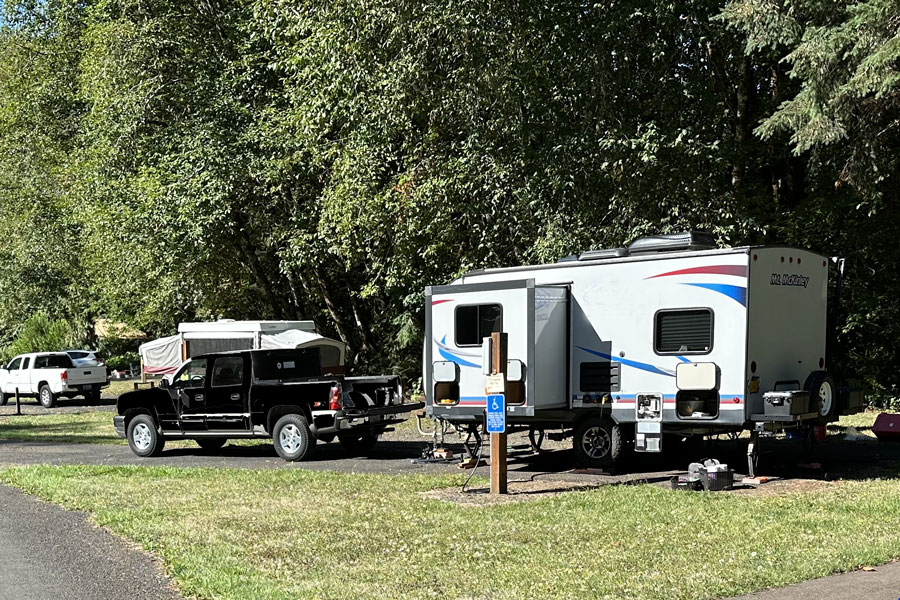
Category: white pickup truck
<point>49,375</point>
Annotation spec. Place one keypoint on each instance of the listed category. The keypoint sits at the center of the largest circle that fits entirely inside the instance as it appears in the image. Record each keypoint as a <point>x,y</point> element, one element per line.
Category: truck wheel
<point>4,398</point>
<point>211,443</point>
<point>46,397</point>
<point>358,444</point>
<point>822,396</point>
<point>292,438</point>
<point>143,436</point>
<point>598,443</point>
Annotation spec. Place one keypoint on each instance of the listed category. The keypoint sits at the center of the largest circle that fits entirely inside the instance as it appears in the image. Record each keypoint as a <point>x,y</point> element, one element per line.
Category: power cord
<point>475,468</point>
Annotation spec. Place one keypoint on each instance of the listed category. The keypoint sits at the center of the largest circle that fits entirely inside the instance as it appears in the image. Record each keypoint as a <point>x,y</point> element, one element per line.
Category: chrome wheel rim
<point>290,438</point>
<point>825,398</point>
<point>596,442</point>
<point>45,397</point>
<point>141,436</point>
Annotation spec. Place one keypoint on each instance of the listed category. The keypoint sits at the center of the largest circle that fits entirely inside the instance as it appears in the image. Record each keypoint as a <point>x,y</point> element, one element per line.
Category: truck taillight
<point>64,376</point>
<point>335,402</point>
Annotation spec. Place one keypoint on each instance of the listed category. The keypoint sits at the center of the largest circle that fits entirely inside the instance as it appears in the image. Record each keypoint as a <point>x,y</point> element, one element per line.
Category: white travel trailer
<point>670,335</point>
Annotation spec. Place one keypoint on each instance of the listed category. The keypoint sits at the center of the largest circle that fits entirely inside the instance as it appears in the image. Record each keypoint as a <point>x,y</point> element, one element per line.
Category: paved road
<point>47,552</point>
<point>881,584</point>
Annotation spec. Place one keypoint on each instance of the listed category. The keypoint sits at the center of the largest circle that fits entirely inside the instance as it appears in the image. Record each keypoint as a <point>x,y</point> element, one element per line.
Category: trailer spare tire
<point>822,396</point>
<point>598,442</point>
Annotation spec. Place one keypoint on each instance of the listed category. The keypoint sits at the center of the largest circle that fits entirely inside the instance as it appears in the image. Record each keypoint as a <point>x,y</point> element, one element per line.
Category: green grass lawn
<point>117,387</point>
<point>231,534</point>
<point>88,427</point>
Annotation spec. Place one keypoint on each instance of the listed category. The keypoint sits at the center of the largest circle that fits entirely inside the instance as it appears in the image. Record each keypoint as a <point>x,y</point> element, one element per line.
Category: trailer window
<point>478,321</point>
<point>684,331</point>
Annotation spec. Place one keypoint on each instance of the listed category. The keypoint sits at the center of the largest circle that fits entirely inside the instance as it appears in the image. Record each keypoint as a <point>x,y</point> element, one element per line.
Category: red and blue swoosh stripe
<point>735,292</point>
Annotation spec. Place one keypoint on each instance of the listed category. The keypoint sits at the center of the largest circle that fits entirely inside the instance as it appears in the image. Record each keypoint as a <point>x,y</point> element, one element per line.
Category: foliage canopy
<point>167,160</point>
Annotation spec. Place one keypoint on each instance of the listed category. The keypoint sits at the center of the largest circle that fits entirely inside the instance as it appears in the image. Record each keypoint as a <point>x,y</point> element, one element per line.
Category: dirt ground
<point>782,464</point>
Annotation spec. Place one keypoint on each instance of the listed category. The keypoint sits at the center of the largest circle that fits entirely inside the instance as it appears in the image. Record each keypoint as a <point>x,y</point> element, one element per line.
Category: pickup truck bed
<point>280,394</point>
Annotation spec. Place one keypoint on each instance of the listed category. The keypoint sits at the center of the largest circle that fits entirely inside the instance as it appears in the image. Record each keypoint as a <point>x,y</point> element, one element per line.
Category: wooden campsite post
<point>498,440</point>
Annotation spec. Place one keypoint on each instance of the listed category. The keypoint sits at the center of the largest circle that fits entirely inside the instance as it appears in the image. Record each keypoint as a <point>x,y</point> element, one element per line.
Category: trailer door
<point>458,318</point>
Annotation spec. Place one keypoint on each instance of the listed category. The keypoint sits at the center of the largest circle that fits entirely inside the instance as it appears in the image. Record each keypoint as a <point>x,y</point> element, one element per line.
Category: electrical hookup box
<point>648,430</point>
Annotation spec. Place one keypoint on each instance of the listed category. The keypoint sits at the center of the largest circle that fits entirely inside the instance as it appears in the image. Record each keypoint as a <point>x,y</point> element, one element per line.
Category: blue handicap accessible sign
<point>496,414</point>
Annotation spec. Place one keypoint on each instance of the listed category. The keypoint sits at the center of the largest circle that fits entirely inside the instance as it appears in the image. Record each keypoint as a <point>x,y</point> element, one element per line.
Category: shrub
<point>40,333</point>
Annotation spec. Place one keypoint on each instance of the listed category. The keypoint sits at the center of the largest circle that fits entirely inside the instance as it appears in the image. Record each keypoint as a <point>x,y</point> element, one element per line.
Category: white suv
<point>85,358</point>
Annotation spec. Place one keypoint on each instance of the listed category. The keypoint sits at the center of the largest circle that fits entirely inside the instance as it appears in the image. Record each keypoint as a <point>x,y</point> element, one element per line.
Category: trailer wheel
<point>598,442</point>
<point>4,398</point>
<point>822,396</point>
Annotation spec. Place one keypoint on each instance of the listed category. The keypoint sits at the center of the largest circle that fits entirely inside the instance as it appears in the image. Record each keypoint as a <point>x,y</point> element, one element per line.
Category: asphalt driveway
<point>47,552</point>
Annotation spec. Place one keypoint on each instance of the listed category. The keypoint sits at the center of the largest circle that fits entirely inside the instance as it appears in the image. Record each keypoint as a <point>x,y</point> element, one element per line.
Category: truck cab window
<point>53,361</point>
<point>26,362</point>
<point>683,331</point>
<point>475,322</point>
<point>228,370</point>
<point>192,374</point>
<point>14,365</point>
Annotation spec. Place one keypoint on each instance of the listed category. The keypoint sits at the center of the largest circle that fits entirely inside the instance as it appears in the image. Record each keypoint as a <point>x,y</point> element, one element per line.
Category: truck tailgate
<point>86,375</point>
<point>368,393</point>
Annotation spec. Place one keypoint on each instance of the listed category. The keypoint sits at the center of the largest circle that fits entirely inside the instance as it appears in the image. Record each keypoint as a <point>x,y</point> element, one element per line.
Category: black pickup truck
<point>278,394</point>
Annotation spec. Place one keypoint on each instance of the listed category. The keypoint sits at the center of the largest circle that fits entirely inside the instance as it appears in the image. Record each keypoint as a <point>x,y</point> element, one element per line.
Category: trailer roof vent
<point>673,242</point>
<point>602,254</point>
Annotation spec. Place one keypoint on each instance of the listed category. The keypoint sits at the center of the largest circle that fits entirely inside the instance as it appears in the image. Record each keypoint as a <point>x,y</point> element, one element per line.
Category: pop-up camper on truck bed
<point>618,347</point>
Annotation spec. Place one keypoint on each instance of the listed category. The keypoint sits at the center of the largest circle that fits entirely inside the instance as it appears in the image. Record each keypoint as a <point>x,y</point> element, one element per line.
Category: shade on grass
<point>295,533</point>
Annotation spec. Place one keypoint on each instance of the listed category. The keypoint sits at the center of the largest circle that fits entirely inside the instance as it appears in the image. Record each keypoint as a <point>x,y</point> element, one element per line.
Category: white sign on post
<point>494,384</point>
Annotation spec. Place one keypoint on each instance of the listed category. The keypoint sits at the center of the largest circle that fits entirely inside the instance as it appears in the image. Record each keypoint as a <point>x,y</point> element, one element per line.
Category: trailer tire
<point>823,398</point>
<point>598,442</point>
<point>292,438</point>
<point>4,398</point>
